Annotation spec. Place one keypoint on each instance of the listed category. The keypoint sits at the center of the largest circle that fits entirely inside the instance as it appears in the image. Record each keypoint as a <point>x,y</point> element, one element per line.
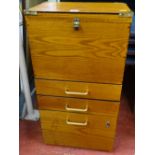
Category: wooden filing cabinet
<point>78,53</point>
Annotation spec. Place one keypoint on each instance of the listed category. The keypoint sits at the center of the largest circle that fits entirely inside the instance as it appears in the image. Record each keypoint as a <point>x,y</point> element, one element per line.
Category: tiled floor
<point>31,140</point>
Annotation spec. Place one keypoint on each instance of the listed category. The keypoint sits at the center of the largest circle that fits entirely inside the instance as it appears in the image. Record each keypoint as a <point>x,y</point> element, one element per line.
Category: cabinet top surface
<point>81,7</point>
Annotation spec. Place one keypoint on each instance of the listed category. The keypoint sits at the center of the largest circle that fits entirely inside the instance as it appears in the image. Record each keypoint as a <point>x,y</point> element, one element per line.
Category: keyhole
<point>108,124</point>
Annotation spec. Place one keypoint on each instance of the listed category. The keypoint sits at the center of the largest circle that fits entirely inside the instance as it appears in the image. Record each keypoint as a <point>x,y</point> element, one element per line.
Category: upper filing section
<point>81,7</point>
<point>93,52</point>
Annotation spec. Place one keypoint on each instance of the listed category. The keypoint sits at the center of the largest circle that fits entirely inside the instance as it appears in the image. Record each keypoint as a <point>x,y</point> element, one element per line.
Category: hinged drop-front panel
<point>78,47</point>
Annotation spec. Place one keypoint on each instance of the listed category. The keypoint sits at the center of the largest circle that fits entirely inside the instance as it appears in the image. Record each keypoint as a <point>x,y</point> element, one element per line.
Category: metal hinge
<point>126,14</point>
<point>33,13</point>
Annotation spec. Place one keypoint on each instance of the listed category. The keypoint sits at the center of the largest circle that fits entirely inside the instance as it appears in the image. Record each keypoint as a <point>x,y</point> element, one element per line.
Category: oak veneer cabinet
<point>78,53</point>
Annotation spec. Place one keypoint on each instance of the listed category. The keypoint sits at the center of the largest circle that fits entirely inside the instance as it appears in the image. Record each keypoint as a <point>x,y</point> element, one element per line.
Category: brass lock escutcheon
<point>107,124</point>
<point>76,23</point>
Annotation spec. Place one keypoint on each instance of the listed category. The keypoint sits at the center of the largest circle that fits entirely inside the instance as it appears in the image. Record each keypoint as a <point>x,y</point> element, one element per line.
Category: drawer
<point>78,105</point>
<point>80,130</point>
<point>78,89</point>
<point>95,52</point>
<point>75,122</point>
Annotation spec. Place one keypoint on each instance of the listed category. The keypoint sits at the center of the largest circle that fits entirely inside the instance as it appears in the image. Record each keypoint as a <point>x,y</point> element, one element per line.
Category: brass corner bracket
<point>126,14</point>
<point>33,13</point>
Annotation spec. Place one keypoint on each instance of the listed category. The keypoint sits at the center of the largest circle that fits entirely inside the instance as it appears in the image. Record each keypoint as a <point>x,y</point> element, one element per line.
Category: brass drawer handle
<point>76,109</point>
<point>76,23</point>
<point>77,123</point>
<point>76,93</point>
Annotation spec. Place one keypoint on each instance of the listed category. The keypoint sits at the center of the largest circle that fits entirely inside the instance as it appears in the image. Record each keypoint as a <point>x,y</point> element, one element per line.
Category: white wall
<point>30,3</point>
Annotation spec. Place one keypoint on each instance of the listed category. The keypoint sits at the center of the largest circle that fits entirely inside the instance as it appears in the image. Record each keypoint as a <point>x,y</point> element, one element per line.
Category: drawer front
<point>78,89</point>
<point>95,52</point>
<point>76,123</point>
<point>78,130</point>
<point>78,105</point>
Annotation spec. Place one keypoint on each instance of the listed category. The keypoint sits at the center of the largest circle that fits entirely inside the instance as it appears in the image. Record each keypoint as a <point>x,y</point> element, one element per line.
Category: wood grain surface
<point>79,72</point>
<point>95,91</point>
<point>52,119</point>
<point>94,106</point>
<point>82,140</point>
<point>94,53</point>
<point>56,122</point>
<point>81,7</point>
